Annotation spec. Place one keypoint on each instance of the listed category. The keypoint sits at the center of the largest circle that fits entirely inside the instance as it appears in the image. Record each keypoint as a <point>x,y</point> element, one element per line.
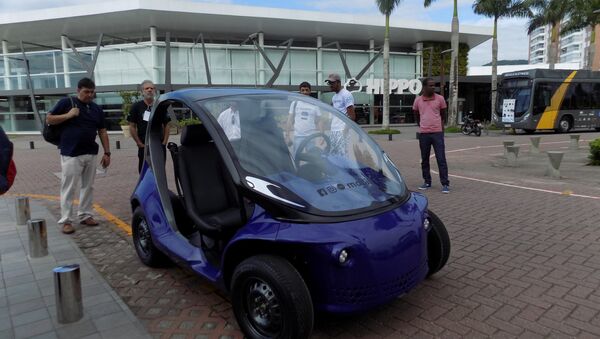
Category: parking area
<point>524,260</point>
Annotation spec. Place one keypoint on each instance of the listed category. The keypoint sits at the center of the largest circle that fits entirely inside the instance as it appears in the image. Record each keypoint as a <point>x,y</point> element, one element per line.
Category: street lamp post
<point>442,79</point>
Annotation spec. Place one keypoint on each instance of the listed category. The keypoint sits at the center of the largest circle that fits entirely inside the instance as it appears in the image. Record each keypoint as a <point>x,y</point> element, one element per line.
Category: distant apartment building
<point>571,49</point>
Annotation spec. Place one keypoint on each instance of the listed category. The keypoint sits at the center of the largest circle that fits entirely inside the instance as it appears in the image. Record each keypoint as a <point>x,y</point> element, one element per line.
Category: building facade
<point>182,44</point>
<point>572,48</point>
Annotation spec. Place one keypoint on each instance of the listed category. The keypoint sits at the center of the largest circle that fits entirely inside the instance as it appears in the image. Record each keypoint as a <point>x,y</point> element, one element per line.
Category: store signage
<point>397,86</point>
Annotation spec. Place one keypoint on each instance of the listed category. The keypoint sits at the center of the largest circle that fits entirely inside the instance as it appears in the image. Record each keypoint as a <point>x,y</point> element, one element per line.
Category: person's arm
<point>105,162</point>
<point>444,117</point>
<point>417,117</point>
<point>165,133</point>
<point>52,119</point>
<point>134,134</point>
<point>351,113</point>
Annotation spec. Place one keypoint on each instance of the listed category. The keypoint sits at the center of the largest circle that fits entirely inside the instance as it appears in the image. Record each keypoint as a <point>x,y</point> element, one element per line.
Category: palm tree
<point>550,12</point>
<point>386,7</point>
<point>499,9</point>
<point>584,14</point>
<point>452,119</point>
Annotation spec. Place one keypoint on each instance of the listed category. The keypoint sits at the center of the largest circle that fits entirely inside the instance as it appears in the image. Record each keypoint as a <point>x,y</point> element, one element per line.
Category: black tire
<point>529,131</point>
<point>478,131</point>
<point>465,130</point>
<point>565,124</point>
<point>438,244</point>
<point>142,241</point>
<point>270,299</point>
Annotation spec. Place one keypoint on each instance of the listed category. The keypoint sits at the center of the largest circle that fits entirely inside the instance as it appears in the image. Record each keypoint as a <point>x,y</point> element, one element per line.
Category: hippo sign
<point>375,86</point>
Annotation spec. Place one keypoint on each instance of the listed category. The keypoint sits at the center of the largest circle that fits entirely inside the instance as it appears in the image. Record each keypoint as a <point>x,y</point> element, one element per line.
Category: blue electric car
<point>285,204</point>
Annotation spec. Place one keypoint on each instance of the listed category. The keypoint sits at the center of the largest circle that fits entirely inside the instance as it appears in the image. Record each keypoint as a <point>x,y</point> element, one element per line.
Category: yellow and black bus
<point>542,99</point>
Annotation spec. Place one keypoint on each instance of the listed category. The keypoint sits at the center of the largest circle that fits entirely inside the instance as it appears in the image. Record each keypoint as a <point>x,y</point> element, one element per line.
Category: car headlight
<point>426,224</point>
<point>343,256</point>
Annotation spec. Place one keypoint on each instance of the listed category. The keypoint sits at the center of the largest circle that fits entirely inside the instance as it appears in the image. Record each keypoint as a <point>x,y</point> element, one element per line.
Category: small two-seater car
<point>284,203</point>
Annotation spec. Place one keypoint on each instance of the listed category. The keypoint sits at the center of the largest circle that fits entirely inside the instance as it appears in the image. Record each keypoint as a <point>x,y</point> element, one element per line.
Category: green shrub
<point>452,129</point>
<point>189,121</point>
<point>128,97</point>
<point>595,152</point>
<point>384,131</point>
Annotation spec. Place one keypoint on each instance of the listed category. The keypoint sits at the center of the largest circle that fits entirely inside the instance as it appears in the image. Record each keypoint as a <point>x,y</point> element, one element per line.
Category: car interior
<point>208,208</point>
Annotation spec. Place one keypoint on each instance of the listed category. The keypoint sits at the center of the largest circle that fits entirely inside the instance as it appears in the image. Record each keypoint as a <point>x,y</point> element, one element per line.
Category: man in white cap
<point>344,102</point>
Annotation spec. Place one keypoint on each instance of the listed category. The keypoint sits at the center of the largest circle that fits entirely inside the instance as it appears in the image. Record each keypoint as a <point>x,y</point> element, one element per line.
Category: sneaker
<point>446,189</point>
<point>425,186</point>
<point>67,228</point>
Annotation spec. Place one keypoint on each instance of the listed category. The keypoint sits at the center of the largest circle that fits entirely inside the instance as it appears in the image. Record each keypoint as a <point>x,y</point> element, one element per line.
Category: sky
<point>512,36</point>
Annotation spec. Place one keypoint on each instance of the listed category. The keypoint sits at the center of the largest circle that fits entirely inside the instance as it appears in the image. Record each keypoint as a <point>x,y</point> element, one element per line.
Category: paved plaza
<point>525,258</point>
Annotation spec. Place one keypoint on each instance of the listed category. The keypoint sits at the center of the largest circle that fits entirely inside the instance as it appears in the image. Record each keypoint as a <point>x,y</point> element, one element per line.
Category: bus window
<point>543,96</point>
<point>596,95</point>
<point>578,97</point>
<point>518,89</point>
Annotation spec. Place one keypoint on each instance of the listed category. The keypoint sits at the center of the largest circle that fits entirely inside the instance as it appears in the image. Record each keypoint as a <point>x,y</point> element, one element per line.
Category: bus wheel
<point>565,124</point>
<point>529,131</point>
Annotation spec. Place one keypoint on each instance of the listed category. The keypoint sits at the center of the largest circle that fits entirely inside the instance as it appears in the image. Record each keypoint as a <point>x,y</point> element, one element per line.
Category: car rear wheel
<point>142,241</point>
<point>438,244</point>
<point>270,299</point>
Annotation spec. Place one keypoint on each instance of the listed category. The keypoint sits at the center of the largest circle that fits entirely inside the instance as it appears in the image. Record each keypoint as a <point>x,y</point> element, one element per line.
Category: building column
<point>6,65</point>
<point>8,86</point>
<point>419,62</point>
<point>154,53</point>
<point>319,60</point>
<point>65,60</point>
<point>261,60</point>
<point>371,77</point>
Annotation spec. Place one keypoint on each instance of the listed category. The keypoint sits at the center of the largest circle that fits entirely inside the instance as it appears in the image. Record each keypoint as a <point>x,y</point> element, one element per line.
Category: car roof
<point>195,94</point>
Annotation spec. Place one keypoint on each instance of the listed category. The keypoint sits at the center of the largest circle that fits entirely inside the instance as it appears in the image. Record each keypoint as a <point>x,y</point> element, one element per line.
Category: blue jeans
<point>426,140</point>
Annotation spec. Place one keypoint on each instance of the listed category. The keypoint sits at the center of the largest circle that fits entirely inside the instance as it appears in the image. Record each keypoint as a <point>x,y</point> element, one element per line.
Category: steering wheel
<point>309,156</point>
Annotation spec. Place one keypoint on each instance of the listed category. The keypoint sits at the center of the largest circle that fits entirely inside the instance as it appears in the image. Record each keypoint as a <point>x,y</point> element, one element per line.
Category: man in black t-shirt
<point>139,116</point>
<point>82,120</point>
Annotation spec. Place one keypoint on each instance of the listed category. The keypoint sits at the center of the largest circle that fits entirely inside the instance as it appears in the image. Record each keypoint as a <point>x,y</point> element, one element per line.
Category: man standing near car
<point>138,120</point>
<point>430,110</point>
<point>304,120</point>
<point>82,120</point>
<point>344,102</point>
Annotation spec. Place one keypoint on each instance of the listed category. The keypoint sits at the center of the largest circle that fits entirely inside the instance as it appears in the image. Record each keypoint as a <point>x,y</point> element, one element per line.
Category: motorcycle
<point>471,125</point>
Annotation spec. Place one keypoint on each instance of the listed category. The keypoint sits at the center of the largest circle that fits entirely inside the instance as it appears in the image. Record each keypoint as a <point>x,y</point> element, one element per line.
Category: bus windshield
<point>518,89</point>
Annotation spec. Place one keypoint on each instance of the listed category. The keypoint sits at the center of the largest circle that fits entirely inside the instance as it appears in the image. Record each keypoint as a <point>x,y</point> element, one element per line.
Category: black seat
<point>209,195</point>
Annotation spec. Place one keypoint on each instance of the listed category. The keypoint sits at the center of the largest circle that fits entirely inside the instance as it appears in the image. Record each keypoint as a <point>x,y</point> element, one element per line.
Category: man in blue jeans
<point>430,110</point>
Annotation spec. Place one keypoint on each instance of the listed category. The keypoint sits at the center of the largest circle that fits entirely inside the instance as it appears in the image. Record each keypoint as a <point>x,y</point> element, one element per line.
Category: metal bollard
<point>118,144</point>
<point>67,288</point>
<point>23,213</point>
<point>31,145</point>
<point>390,137</point>
<point>38,238</point>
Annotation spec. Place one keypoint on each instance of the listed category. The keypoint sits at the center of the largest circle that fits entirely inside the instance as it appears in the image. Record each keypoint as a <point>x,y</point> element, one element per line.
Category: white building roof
<point>133,17</point>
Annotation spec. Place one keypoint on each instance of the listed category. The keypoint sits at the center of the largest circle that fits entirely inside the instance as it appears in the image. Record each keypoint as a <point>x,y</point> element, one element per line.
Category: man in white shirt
<point>229,120</point>
<point>304,120</point>
<point>344,102</point>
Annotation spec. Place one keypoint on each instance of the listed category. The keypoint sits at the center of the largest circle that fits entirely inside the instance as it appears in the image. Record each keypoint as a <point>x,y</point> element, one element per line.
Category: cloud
<point>513,42</point>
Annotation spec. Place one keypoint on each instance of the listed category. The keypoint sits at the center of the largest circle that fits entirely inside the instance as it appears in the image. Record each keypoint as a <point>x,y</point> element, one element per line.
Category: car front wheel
<point>142,241</point>
<point>270,299</point>
<point>438,244</point>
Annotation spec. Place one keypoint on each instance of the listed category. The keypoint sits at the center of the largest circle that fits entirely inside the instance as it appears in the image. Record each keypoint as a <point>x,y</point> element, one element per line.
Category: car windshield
<point>520,90</point>
<point>303,152</point>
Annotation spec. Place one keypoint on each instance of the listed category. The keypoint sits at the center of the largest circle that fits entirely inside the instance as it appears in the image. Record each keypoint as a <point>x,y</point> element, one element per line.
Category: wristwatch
<point>107,153</point>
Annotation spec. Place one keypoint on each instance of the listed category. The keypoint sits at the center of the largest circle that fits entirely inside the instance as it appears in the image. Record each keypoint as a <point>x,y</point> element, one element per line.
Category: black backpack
<point>52,133</point>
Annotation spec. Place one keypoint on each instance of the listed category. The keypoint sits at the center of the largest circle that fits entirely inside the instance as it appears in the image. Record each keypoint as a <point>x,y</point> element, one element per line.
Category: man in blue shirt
<point>82,120</point>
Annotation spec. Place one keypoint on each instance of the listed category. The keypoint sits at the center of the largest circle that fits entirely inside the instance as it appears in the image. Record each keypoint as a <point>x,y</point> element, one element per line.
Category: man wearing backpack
<point>8,170</point>
<point>81,120</point>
